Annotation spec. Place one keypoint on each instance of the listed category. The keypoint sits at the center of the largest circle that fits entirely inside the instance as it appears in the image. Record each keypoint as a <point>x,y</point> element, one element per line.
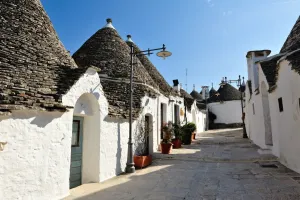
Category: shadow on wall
<point>119,151</point>
<point>119,122</point>
<point>39,118</point>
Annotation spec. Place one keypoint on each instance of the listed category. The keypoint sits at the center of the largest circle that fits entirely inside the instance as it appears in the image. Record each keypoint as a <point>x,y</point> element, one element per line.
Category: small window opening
<point>253,109</point>
<point>280,104</point>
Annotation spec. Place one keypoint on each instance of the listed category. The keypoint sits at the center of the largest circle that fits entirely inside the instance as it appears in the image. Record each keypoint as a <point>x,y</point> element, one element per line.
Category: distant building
<point>226,105</point>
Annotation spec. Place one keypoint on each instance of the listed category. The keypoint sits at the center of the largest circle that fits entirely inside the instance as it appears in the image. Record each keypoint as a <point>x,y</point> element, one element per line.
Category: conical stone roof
<point>226,93</point>
<point>212,92</point>
<point>292,43</point>
<point>196,95</point>
<point>107,51</point>
<point>188,99</point>
<point>35,68</point>
<point>164,87</point>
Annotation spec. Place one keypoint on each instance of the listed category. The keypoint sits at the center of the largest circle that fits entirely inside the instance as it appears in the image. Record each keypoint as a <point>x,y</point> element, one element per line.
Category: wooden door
<point>76,152</point>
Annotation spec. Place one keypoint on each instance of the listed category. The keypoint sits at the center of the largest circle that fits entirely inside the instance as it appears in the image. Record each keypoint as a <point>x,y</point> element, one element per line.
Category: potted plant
<point>188,130</point>
<point>178,136</point>
<point>142,158</point>
<point>166,144</point>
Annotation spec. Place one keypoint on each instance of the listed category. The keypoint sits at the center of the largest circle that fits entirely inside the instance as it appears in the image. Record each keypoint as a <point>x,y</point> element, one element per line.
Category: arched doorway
<point>149,132</point>
<point>144,136</point>
<point>266,113</point>
<point>85,147</point>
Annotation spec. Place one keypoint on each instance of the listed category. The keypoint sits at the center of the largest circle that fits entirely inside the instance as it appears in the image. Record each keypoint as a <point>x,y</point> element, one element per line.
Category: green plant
<point>191,127</point>
<point>178,131</point>
<point>188,129</point>
<point>167,133</point>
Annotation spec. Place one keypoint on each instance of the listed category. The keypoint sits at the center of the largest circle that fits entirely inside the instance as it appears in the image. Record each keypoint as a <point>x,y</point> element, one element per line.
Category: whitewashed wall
<point>288,120</point>
<point>196,116</point>
<point>35,163</point>
<point>228,112</point>
<point>256,120</point>
<point>114,138</point>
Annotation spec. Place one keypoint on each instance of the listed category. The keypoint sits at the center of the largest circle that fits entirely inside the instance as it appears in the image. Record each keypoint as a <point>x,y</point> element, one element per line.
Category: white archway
<point>87,113</point>
<point>266,114</point>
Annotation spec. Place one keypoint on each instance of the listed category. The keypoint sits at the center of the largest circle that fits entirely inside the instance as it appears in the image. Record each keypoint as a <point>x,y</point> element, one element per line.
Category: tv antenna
<point>186,83</point>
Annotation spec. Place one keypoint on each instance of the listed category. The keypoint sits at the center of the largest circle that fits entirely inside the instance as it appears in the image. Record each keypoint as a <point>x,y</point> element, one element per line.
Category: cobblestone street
<point>218,165</point>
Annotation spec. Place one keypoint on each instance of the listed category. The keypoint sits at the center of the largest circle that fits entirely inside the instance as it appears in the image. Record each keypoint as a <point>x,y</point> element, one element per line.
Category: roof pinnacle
<point>109,24</point>
<point>129,39</point>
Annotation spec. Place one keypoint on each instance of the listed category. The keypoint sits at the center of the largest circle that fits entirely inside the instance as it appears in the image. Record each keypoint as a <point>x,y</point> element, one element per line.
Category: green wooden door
<point>76,152</point>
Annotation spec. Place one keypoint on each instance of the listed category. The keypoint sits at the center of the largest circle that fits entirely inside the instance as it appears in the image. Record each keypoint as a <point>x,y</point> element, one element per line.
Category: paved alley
<point>218,165</point>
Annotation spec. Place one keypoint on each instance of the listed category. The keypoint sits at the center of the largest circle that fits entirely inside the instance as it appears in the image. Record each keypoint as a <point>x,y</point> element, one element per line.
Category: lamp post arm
<point>148,51</point>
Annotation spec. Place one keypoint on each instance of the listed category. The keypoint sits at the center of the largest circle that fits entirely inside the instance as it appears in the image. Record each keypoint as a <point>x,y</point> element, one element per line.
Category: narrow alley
<point>219,165</point>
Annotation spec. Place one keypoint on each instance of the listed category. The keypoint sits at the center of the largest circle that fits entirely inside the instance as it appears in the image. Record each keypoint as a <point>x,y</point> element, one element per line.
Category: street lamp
<point>204,89</point>
<point>242,88</point>
<point>163,53</point>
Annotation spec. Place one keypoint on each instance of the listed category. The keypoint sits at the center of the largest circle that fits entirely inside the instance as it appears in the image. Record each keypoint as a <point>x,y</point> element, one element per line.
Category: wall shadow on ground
<point>182,174</point>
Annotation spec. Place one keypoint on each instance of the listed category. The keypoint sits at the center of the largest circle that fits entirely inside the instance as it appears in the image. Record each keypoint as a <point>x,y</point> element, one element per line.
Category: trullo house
<point>273,100</point>
<point>64,120</point>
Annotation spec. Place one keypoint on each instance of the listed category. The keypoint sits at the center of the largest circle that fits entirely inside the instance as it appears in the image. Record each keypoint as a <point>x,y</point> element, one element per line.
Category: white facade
<point>227,112</point>
<point>270,128</point>
<point>35,162</point>
<point>197,116</point>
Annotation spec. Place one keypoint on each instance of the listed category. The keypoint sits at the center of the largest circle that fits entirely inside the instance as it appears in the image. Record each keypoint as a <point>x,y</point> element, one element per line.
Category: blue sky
<point>210,38</point>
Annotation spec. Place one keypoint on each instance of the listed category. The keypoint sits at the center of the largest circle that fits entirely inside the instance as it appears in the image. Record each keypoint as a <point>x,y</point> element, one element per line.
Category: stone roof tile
<point>292,43</point>
<point>196,95</point>
<point>225,93</point>
<point>160,81</point>
<point>35,68</point>
<point>188,99</point>
<point>270,69</point>
<point>107,51</point>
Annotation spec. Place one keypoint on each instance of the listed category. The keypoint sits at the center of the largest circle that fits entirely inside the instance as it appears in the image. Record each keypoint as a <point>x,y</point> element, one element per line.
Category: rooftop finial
<point>109,23</point>
<point>193,86</point>
<point>129,39</point>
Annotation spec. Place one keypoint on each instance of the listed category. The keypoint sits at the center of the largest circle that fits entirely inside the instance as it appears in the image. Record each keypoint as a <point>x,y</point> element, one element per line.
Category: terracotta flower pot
<point>166,148</point>
<point>194,136</point>
<point>142,161</point>
<point>176,143</point>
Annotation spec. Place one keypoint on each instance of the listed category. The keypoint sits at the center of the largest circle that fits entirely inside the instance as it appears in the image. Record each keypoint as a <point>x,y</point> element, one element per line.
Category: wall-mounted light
<point>171,101</point>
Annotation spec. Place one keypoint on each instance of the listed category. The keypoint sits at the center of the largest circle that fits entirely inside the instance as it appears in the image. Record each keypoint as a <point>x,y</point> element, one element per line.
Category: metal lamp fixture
<point>205,95</point>
<point>163,53</point>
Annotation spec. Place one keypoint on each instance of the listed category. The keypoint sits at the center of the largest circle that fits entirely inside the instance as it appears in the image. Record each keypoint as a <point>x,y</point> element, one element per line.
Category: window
<point>75,133</point>
<point>253,109</point>
<point>163,118</point>
<point>280,104</point>
<point>176,114</point>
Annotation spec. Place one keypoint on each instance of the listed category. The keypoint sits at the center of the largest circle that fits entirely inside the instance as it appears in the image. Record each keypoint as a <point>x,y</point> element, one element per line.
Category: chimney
<point>176,85</point>
<point>204,92</point>
<point>252,58</point>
